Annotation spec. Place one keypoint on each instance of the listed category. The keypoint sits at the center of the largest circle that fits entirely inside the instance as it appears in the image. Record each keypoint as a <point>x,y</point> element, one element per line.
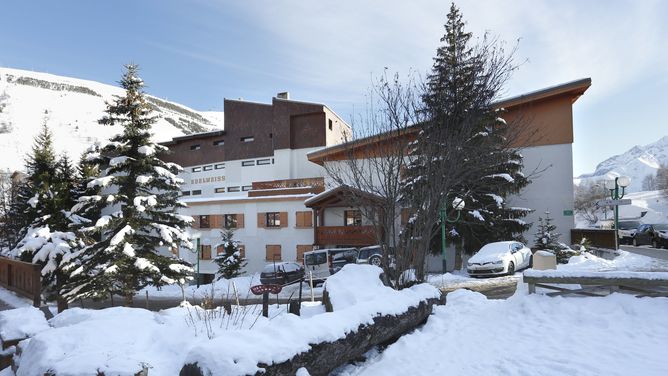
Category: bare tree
<point>662,179</point>
<point>375,159</point>
<point>587,193</point>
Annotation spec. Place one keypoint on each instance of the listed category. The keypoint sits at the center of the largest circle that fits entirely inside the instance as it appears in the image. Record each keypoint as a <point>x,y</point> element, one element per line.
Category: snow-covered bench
<point>598,283</point>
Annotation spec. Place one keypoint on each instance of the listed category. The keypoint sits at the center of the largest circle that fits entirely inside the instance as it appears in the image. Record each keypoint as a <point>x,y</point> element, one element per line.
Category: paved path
<point>658,253</point>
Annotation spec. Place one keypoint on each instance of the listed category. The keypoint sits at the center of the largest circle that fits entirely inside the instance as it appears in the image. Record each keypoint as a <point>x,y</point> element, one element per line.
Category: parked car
<point>372,255</point>
<point>281,273</point>
<point>654,234</point>
<point>321,262</point>
<point>627,229</point>
<point>499,258</point>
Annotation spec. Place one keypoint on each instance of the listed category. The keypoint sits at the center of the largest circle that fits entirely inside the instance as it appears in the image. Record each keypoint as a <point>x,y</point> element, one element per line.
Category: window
<point>205,252</point>
<point>230,221</point>
<point>195,147</point>
<point>246,188</point>
<point>219,143</point>
<point>197,169</point>
<point>204,221</point>
<point>208,168</point>
<point>273,252</point>
<point>233,189</point>
<point>261,162</point>
<point>185,193</point>
<point>247,139</point>
<point>304,219</point>
<point>220,190</point>
<point>300,251</point>
<point>197,192</point>
<point>352,218</point>
<point>242,250</point>
<point>248,163</point>
<point>330,124</point>
<point>220,166</point>
<point>273,219</point>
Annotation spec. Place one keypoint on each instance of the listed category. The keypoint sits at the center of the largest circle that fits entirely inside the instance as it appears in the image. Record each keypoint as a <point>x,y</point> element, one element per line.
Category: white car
<point>499,258</point>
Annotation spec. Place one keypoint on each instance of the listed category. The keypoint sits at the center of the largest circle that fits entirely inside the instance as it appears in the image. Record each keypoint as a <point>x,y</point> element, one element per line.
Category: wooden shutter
<point>308,218</point>
<point>196,222</point>
<point>216,221</point>
<point>206,252</point>
<point>301,248</point>
<point>242,250</point>
<point>240,221</point>
<point>273,252</point>
<point>299,219</point>
<point>284,219</point>
<point>261,220</point>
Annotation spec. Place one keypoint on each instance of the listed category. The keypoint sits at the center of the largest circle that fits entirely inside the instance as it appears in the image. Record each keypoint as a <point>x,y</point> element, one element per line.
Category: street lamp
<point>457,204</point>
<point>196,235</point>
<point>613,186</point>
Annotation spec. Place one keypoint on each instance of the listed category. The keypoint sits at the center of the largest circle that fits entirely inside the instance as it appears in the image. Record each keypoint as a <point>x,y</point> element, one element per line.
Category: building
<point>546,140</point>
<point>265,175</point>
<point>254,176</point>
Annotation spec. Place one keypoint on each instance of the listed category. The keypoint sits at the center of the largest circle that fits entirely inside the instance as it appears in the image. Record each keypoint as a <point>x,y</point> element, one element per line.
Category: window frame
<point>202,221</point>
<point>196,169</point>
<point>263,162</point>
<point>233,189</point>
<point>194,147</point>
<point>196,192</point>
<point>355,218</point>
<point>272,219</point>
<point>229,220</point>
<point>248,163</point>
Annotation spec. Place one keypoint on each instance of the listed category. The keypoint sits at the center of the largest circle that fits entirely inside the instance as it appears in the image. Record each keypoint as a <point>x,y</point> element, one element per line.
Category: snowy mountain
<point>636,163</point>
<point>71,108</point>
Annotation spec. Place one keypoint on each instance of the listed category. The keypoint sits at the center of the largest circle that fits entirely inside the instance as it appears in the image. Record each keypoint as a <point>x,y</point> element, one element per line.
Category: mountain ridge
<point>71,108</point>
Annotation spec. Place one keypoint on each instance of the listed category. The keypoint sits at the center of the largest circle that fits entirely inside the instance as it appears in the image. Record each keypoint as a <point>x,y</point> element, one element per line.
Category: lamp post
<point>197,236</point>
<point>613,186</point>
<point>458,205</point>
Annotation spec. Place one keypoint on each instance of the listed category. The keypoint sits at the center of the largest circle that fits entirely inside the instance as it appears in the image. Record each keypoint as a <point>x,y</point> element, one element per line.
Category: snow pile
<point>289,335</point>
<point>625,261</point>
<point>533,335</point>
<point>21,323</point>
<point>120,340</point>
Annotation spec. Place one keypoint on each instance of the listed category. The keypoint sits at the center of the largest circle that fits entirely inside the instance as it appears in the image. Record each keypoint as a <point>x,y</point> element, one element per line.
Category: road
<point>658,253</point>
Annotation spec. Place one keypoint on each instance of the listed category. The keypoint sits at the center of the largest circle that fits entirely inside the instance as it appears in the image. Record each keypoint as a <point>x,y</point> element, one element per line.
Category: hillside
<point>71,108</point>
<point>636,163</point>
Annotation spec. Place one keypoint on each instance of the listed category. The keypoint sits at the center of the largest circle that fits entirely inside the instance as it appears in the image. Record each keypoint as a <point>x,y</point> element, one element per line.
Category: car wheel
<point>511,268</point>
<point>635,242</point>
<point>374,260</point>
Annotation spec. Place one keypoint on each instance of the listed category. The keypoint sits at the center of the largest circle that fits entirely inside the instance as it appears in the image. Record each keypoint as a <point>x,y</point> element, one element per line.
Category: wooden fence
<point>598,238</point>
<point>22,278</point>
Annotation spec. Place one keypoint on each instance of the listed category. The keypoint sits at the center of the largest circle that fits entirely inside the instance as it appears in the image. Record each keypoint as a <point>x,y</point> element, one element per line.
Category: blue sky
<point>199,52</point>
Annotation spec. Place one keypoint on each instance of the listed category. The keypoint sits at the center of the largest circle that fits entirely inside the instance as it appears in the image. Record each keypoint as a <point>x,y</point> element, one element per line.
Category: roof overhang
<point>341,196</point>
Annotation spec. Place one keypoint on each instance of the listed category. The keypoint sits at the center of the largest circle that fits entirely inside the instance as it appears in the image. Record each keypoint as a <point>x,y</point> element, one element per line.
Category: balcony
<point>345,235</point>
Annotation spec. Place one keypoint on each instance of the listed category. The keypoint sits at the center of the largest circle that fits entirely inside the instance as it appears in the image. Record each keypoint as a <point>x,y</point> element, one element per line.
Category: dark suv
<point>654,234</point>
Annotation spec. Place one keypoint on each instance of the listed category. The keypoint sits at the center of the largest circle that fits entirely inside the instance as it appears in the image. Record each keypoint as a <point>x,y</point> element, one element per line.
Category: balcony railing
<point>346,235</point>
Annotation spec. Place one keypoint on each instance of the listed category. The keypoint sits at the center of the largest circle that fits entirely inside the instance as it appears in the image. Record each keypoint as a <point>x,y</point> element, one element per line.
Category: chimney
<point>283,95</point>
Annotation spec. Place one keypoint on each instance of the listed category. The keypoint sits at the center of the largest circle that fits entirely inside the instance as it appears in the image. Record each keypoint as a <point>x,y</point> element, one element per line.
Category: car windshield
<point>271,267</point>
<point>630,225</point>
<point>291,267</point>
<point>661,226</point>
<point>315,258</point>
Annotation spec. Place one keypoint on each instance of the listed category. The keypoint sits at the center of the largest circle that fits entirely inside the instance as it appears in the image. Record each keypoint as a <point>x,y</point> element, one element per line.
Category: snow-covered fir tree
<point>465,146</point>
<point>230,261</point>
<point>48,240</point>
<point>138,200</point>
<point>547,238</point>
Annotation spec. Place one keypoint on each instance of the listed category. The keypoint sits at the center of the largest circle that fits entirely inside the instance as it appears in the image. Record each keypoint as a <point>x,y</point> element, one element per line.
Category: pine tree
<point>230,261</point>
<point>463,149</point>
<point>48,239</point>
<point>546,238</point>
<point>138,201</point>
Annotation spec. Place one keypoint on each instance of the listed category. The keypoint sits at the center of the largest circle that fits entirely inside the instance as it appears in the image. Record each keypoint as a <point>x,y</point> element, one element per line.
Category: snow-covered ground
<point>472,335</point>
<point>120,341</point>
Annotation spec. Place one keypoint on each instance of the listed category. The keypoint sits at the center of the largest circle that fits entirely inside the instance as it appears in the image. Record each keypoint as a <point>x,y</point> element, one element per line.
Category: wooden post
<point>265,304</point>
<point>37,286</point>
<point>532,288</point>
<point>146,299</point>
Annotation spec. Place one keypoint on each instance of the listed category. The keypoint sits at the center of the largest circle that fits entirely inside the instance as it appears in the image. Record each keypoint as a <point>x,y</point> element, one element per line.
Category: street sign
<point>613,202</point>
<point>261,289</point>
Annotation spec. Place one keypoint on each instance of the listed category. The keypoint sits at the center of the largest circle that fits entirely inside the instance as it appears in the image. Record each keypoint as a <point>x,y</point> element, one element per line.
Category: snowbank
<point>21,323</point>
<point>534,335</point>
<point>121,341</point>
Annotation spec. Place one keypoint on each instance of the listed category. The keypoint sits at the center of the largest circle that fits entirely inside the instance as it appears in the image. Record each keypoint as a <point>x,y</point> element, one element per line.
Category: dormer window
<point>247,139</point>
<point>195,147</point>
<point>219,143</point>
